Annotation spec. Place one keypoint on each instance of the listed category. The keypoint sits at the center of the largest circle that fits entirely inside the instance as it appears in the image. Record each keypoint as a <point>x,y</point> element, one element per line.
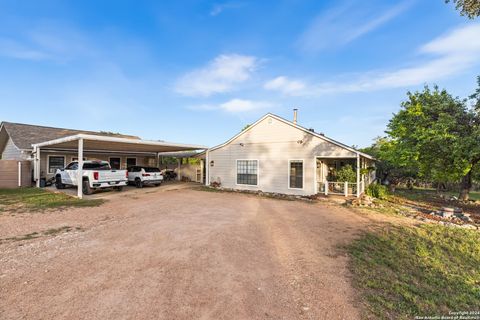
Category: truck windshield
<point>151,169</point>
<point>97,166</point>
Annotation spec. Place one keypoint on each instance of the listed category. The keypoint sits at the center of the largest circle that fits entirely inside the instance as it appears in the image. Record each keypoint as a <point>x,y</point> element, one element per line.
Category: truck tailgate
<point>112,175</point>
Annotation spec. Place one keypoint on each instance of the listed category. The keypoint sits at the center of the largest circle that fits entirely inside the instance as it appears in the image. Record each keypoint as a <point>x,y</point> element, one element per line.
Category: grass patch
<point>35,199</point>
<point>429,270</point>
<point>428,193</point>
<point>49,232</point>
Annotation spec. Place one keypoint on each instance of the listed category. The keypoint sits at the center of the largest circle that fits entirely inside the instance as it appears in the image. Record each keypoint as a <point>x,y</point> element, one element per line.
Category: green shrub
<point>346,174</point>
<point>377,191</point>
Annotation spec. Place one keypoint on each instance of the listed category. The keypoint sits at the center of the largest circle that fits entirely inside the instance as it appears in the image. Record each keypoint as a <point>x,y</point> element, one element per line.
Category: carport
<point>84,143</point>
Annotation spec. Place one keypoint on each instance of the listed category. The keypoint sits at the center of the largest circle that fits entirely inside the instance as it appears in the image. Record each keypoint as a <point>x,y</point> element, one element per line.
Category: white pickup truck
<point>96,175</point>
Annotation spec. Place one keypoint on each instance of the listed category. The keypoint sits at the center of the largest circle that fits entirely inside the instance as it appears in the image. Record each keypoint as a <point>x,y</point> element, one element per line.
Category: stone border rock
<point>260,193</point>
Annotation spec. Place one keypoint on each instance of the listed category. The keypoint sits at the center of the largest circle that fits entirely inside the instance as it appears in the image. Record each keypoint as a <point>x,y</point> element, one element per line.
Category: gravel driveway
<point>181,254</point>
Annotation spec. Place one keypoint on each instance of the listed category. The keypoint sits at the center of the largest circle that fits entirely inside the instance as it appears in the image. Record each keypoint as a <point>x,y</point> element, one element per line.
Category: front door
<point>115,163</point>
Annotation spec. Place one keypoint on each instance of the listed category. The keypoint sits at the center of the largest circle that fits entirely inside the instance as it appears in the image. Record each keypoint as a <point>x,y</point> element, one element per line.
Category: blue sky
<point>199,71</point>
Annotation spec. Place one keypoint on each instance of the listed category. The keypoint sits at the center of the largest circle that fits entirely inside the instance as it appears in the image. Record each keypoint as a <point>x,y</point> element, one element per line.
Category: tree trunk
<point>466,186</point>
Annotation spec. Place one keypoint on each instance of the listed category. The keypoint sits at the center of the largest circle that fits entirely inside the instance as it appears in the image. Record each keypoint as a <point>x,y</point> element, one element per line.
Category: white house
<point>277,155</point>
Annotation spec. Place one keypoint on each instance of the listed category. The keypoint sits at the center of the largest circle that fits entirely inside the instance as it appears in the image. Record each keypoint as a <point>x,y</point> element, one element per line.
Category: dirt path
<point>182,254</point>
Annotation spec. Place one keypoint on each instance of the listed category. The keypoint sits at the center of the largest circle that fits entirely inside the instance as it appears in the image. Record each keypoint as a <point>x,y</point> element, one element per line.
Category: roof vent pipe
<point>295,116</point>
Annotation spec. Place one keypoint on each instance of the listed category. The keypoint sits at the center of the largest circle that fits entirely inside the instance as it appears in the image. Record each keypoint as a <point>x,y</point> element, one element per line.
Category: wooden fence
<point>14,174</point>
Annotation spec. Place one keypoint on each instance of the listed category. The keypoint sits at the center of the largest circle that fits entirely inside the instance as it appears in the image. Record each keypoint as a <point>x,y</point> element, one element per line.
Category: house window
<point>296,174</point>
<point>55,162</point>
<point>131,162</point>
<point>247,172</point>
<point>115,163</point>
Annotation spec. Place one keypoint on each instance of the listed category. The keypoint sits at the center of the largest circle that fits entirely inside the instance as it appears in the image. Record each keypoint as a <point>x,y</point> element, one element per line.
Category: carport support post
<point>207,169</point>
<point>80,169</point>
<point>37,166</point>
<point>179,160</point>
<point>358,175</point>
<point>19,173</point>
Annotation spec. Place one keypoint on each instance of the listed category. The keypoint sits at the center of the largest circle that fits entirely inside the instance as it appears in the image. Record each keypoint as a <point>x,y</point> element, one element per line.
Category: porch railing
<point>340,188</point>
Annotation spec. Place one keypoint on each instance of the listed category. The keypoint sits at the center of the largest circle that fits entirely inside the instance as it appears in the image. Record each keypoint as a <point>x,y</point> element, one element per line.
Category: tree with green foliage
<point>469,8</point>
<point>391,168</point>
<point>438,134</point>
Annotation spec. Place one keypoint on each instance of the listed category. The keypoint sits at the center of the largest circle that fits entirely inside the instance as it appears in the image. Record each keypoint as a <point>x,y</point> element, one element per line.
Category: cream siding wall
<point>273,143</point>
<point>11,152</point>
<point>189,171</point>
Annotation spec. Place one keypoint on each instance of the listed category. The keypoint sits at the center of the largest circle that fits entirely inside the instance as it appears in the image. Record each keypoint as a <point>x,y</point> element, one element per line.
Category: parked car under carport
<point>84,144</point>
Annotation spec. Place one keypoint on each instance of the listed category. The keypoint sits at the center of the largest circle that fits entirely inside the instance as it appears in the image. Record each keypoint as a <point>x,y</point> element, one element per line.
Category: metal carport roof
<point>94,143</point>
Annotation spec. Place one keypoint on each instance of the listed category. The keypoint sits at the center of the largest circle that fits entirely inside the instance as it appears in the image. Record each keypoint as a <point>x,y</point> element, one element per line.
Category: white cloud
<point>450,54</point>
<point>219,76</point>
<point>454,52</point>
<point>285,85</point>
<point>14,49</point>
<point>345,23</point>
<point>47,41</point>
<point>233,106</point>
<point>239,105</point>
<point>219,8</point>
<point>203,107</point>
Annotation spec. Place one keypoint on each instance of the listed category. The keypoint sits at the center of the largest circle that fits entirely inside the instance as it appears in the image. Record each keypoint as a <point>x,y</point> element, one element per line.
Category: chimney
<point>295,116</point>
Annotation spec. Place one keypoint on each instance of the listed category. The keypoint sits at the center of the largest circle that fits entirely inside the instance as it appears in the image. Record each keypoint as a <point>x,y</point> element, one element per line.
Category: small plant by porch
<point>346,177</point>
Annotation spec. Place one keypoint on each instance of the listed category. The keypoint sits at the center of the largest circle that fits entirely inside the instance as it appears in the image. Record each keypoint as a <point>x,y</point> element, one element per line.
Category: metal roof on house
<point>25,135</point>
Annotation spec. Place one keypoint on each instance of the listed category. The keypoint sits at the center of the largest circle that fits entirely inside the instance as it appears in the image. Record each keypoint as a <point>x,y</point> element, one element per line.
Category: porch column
<point>80,169</point>
<point>364,166</point>
<point>157,162</point>
<point>358,175</point>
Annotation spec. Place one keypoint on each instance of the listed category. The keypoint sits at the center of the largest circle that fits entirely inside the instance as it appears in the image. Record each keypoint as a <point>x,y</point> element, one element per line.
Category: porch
<point>346,176</point>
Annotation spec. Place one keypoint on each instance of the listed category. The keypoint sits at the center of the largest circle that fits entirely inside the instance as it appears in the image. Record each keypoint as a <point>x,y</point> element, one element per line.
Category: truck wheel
<point>86,187</point>
<point>58,182</point>
<point>138,183</point>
